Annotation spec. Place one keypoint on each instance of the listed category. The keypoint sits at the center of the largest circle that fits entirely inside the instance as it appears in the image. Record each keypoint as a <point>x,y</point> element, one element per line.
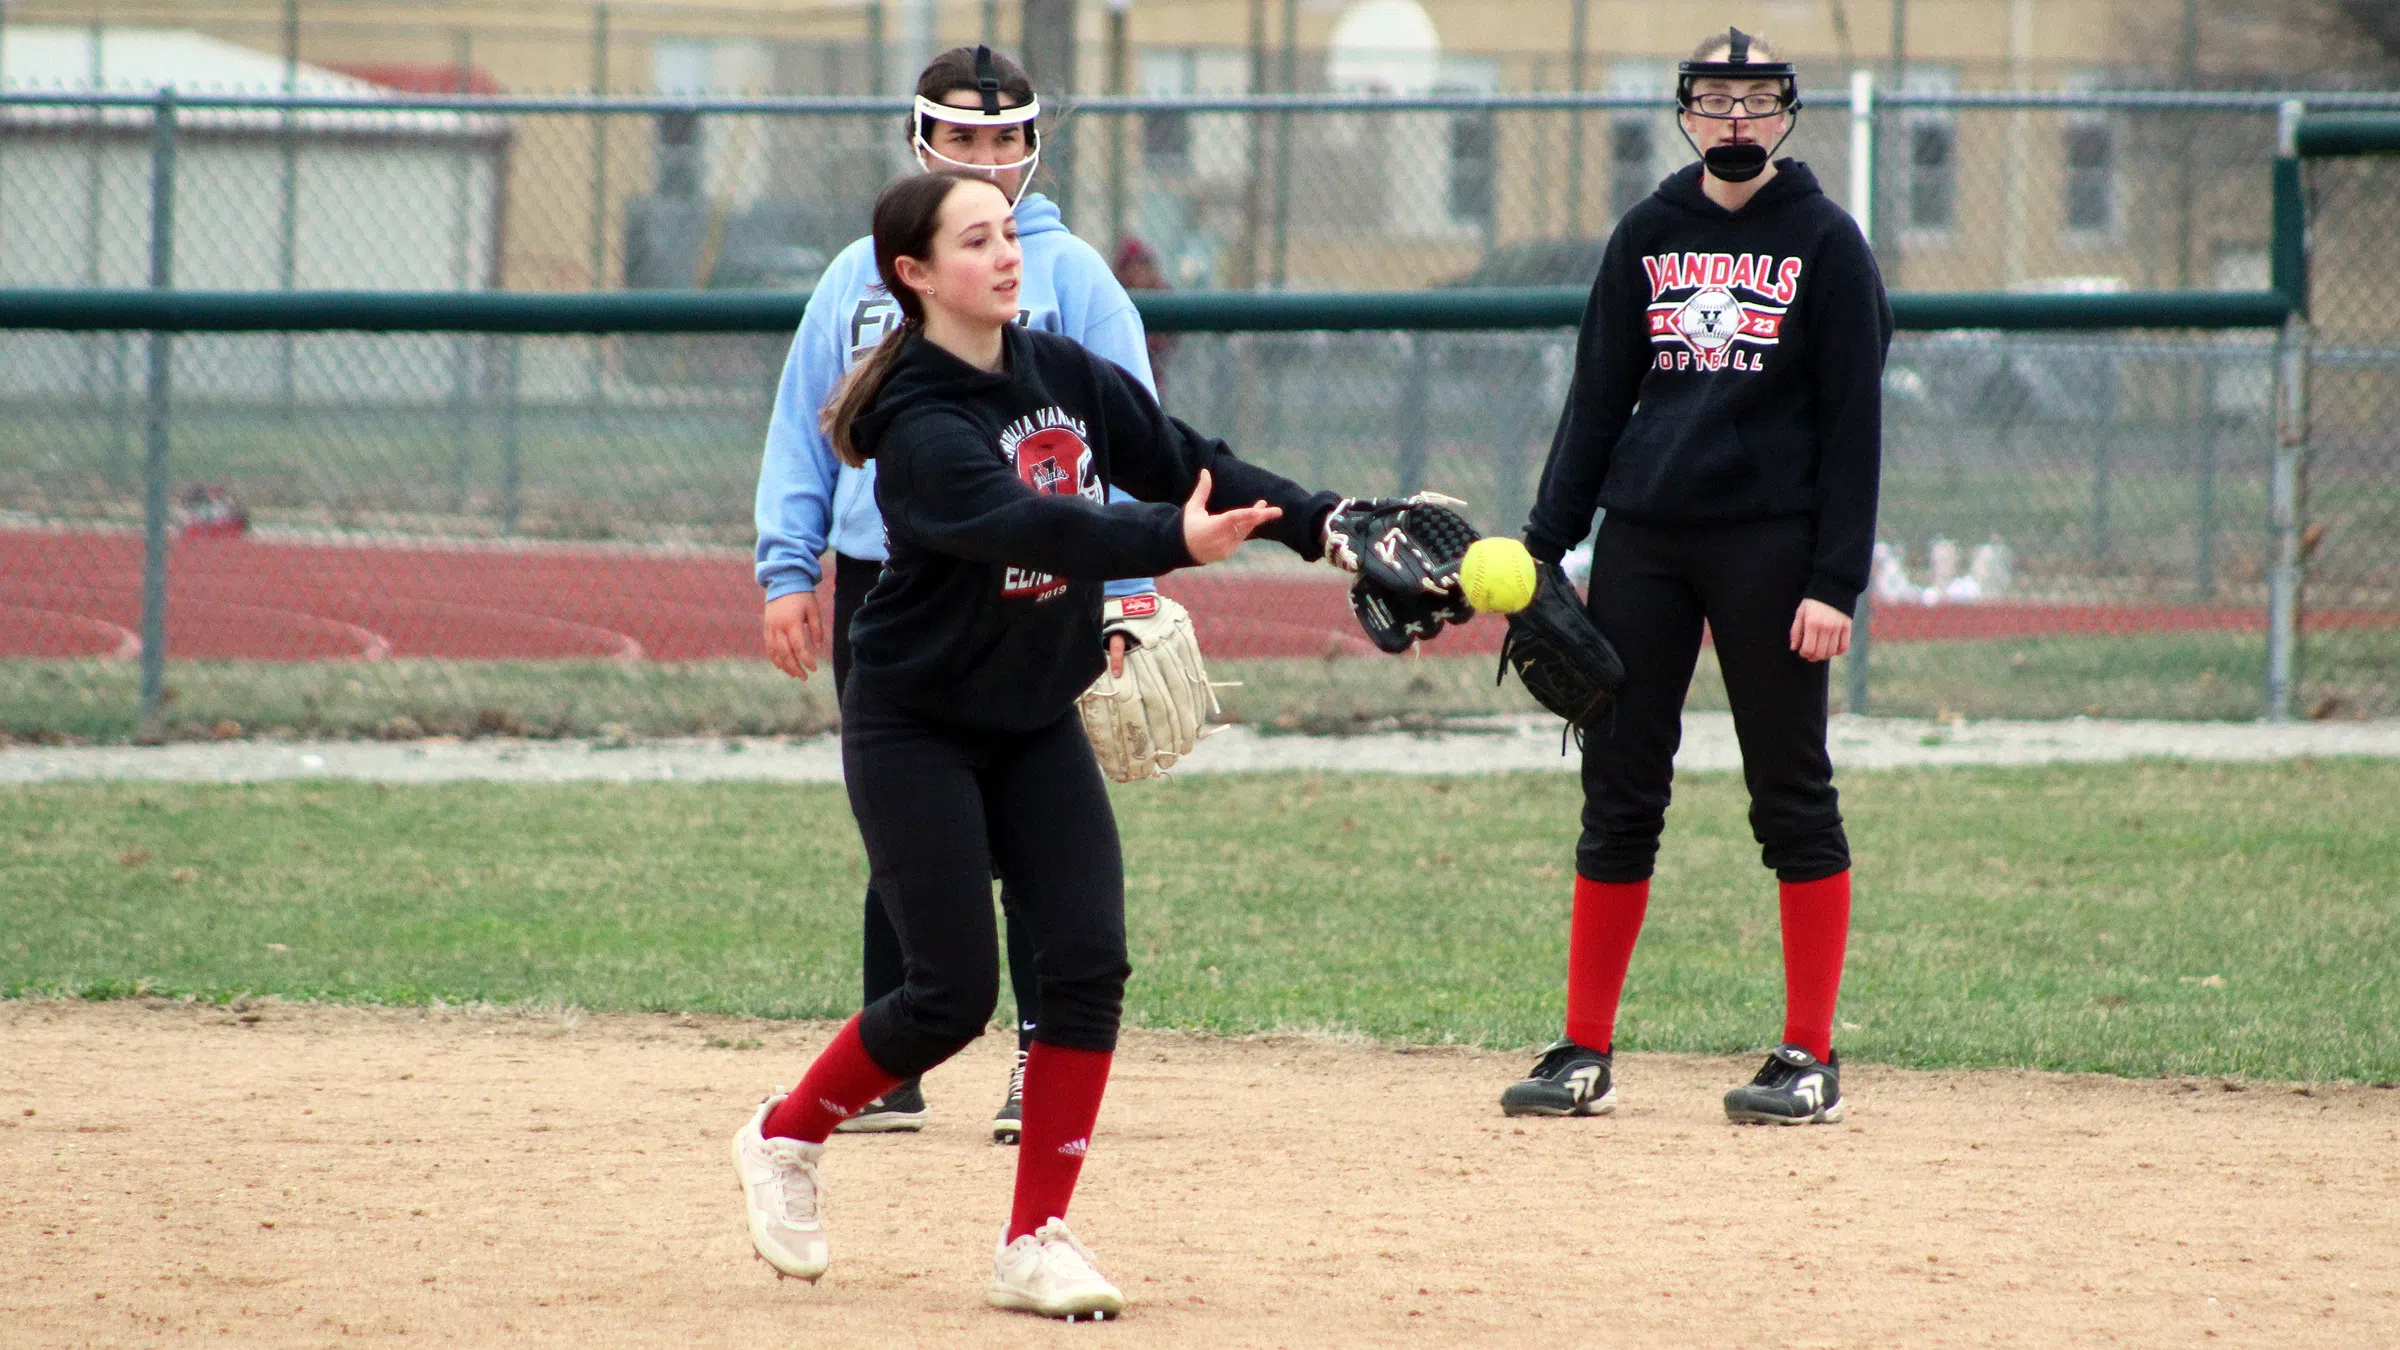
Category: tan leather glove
<point>1143,721</point>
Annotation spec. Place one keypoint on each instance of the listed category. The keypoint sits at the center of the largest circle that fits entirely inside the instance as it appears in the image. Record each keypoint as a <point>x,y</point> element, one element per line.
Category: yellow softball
<point>1497,575</point>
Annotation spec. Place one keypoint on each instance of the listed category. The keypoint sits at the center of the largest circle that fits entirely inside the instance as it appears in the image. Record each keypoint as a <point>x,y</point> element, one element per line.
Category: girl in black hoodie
<point>961,744</point>
<point>1726,412</point>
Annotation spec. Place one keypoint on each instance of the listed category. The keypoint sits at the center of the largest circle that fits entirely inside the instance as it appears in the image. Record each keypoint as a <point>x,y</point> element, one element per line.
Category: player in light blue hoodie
<point>974,110</point>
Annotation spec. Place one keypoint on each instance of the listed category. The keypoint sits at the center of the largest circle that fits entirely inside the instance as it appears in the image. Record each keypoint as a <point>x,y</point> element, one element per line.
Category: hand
<point>1213,537</point>
<point>795,633</point>
<point>1819,631</point>
<point>1116,655</point>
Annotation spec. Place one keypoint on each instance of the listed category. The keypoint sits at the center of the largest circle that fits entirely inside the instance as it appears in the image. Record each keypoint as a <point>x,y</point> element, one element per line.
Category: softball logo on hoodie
<point>1052,452</point>
<point>1718,311</point>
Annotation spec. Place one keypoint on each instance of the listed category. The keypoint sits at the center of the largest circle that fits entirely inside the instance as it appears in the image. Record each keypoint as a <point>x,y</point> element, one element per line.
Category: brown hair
<point>954,70</point>
<point>1760,50</point>
<point>905,216</point>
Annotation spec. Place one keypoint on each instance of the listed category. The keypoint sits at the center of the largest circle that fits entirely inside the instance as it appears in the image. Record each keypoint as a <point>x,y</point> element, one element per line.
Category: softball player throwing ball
<point>975,113</point>
<point>1726,412</point>
<point>962,745</point>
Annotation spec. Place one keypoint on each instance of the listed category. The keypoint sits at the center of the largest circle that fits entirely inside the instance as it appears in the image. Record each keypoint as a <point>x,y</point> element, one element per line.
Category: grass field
<point>2140,919</point>
<point>2204,675</point>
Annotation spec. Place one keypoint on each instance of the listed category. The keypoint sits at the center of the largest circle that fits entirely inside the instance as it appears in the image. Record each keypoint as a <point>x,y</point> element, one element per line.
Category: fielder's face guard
<point>990,114</point>
<point>1736,163</point>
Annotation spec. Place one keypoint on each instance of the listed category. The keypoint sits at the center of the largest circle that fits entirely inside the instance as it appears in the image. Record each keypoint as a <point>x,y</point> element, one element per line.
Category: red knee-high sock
<point>843,1079</point>
<point>1816,929</point>
<point>1062,1099</point>
<point>1608,918</point>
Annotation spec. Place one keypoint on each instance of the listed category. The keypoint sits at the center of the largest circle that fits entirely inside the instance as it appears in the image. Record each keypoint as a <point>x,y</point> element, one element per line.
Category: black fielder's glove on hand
<point>1564,661</point>
<point>1402,545</point>
<point>1393,621</point>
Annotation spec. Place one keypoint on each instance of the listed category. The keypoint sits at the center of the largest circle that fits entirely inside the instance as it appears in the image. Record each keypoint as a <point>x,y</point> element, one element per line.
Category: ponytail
<point>906,213</point>
<point>856,393</point>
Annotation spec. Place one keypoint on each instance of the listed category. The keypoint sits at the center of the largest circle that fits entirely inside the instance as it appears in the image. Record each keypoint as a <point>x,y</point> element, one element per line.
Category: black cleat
<point>1570,1080</point>
<point>1793,1088</point>
<point>1009,1121</point>
<point>902,1108</point>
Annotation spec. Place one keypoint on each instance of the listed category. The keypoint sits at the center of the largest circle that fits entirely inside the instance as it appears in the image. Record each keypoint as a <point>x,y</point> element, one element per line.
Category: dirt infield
<point>77,594</point>
<point>296,1175</point>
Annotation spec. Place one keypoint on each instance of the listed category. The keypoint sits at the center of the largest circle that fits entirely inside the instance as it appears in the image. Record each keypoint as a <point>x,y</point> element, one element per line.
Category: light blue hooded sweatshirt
<point>807,498</point>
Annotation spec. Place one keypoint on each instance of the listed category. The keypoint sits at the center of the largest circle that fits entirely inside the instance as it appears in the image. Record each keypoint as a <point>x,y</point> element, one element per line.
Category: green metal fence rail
<point>2336,135</point>
<point>1485,309</point>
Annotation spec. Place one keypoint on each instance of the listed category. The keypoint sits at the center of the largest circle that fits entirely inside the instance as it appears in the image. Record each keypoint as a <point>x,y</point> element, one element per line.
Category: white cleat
<point>781,1190</point>
<point>1048,1272</point>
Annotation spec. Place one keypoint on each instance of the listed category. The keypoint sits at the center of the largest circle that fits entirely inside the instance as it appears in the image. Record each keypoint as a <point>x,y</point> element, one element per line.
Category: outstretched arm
<point>1158,458</point>
<point>939,482</point>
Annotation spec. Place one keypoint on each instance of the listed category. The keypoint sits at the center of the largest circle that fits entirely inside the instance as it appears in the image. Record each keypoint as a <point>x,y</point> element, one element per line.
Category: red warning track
<point>77,594</point>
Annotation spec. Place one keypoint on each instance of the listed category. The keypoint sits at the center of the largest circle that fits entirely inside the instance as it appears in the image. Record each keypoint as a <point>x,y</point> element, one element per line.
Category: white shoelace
<point>1067,1250</point>
<point>796,1181</point>
<point>1016,1078</point>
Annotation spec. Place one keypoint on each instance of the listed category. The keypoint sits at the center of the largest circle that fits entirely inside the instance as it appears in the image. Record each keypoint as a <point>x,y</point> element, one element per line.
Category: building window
<point>1474,143</point>
<point>1633,137</point>
<point>1166,139</point>
<point>2091,187</point>
<point>1925,161</point>
<point>1167,136</point>
<point>1932,175</point>
<point>1631,164</point>
<point>676,158</point>
<point>2242,375</point>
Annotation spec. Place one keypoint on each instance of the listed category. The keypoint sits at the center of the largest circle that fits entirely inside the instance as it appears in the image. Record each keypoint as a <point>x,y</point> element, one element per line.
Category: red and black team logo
<point>1051,452</point>
<point>1718,311</point>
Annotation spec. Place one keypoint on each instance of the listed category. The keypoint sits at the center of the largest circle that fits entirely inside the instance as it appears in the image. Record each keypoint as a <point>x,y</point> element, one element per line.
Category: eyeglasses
<point>1723,105</point>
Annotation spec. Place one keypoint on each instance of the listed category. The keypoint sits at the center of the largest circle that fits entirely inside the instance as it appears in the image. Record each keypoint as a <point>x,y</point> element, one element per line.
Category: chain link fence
<point>2351,542</point>
<point>464,533</point>
<point>1974,192</point>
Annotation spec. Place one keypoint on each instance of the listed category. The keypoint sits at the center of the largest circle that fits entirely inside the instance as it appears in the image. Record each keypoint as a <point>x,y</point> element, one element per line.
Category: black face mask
<point>1738,162</point>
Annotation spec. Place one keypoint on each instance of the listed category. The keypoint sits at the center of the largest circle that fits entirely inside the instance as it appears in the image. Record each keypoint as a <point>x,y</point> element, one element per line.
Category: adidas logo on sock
<point>1075,1148</point>
<point>836,1108</point>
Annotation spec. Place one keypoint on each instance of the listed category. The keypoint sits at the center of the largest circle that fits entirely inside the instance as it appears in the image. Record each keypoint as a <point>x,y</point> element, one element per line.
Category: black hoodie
<point>993,488</point>
<point>1730,368</point>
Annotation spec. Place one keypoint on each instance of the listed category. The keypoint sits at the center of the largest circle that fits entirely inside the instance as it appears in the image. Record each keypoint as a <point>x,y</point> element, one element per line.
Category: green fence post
<point>2204,561</point>
<point>1579,42</point>
<point>1120,83</point>
<point>287,243</point>
<point>599,347</point>
<point>154,467</point>
<point>2287,487</point>
<point>1856,672</point>
<point>2100,487</point>
<point>511,438</point>
<point>1415,413</point>
<point>1290,81</point>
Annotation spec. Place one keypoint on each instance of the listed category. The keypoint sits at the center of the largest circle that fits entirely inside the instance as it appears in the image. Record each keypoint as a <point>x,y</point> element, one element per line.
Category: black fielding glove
<point>1403,545</point>
<point>1394,621</point>
<point>1563,660</point>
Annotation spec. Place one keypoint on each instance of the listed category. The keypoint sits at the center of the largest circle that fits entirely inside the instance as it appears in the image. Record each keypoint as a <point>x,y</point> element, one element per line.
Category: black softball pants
<point>1652,588</point>
<point>881,966</point>
<point>941,807</point>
